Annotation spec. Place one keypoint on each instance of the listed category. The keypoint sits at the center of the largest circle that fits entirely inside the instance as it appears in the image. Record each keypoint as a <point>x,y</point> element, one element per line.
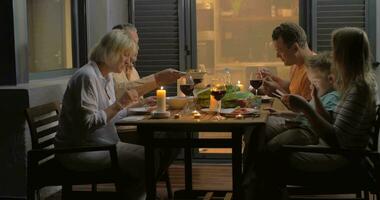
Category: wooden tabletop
<point>208,118</point>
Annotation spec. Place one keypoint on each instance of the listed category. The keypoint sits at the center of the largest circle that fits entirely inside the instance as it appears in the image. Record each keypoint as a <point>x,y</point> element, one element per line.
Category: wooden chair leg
<point>31,195</point>
<point>38,194</point>
<point>168,184</point>
<point>94,187</point>
<point>66,191</point>
<point>366,195</point>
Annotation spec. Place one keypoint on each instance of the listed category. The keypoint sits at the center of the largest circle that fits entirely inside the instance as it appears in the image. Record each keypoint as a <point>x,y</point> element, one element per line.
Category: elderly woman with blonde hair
<point>90,108</point>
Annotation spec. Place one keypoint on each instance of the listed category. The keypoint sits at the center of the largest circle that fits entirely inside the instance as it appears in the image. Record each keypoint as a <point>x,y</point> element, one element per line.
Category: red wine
<point>219,94</point>
<point>187,89</point>
<point>256,83</point>
<point>197,80</point>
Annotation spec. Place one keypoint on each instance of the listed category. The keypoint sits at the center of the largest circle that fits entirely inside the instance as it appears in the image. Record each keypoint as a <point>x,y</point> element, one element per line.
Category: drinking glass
<point>218,90</point>
<point>256,81</point>
<point>187,87</point>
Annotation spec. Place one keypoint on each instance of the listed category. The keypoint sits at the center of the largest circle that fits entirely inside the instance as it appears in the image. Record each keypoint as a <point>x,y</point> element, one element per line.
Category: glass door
<point>237,35</point>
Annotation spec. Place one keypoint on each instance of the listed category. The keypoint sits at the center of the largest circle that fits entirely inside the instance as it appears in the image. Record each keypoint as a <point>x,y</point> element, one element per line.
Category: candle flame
<point>162,87</point>
<point>238,82</point>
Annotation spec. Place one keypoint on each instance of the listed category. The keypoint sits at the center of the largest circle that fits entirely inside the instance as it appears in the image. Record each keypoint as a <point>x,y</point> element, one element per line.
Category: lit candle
<point>241,86</point>
<point>161,100</point>
<point>213,104</point>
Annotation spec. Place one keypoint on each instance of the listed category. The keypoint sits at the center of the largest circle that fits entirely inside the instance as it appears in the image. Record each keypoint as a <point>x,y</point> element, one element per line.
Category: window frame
<point>15,68</point>
<point>79,43</point>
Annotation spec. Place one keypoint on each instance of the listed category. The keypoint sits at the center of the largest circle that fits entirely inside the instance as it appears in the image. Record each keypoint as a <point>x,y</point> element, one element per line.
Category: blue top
<point>329,102</point>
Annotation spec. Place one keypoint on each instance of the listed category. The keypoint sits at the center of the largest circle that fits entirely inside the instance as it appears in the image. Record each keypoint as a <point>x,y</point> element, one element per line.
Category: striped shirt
<point>353,118</point>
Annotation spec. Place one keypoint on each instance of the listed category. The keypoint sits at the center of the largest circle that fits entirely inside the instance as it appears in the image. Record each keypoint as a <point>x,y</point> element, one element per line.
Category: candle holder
<point>196,114</point>
<point>239,116</point>
<point>160,114</point>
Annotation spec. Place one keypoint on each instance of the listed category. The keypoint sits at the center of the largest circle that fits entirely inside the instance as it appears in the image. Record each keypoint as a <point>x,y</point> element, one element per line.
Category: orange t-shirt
<point>299,83</point>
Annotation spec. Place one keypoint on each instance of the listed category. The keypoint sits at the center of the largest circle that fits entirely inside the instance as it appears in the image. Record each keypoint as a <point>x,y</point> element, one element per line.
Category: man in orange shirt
<point>291,46</point>
<point>290,42</point>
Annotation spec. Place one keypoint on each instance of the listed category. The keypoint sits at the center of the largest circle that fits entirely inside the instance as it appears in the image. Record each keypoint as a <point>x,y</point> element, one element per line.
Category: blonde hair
<point>351,55</point>
<point>321,62</point>
<point>112,46</point>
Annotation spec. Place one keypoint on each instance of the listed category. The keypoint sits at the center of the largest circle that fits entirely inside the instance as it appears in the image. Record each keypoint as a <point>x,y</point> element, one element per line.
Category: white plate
<point>207,110</point>
<point>131,118</point>
<point>266,98</point>
<point>247,111</point>
<point>140,110</point>
<point>230,111</point>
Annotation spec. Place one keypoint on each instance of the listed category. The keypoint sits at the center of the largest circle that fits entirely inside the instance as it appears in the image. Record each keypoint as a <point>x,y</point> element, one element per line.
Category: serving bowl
<point>177,102</point>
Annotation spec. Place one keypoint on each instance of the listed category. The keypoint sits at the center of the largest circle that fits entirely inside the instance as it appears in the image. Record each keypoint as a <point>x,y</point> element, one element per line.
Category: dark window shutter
<point>333,14</point>
<point>158,25</point>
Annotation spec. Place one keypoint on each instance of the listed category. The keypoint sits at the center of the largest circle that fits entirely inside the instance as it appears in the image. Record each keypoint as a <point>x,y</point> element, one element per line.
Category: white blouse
<point>83,120</point>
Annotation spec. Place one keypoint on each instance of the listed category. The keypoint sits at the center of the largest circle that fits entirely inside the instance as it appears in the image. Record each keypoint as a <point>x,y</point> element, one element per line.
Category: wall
<point>102,15</point>
<point>14,134</point>
<point>377,56</point>
<point>378,31</point>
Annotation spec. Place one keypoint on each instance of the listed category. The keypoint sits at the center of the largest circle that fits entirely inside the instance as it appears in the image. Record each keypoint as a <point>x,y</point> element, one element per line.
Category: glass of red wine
<point>218,90</point>
<point>187,88</point>
<point>187,85</point>
<point>255,81</point>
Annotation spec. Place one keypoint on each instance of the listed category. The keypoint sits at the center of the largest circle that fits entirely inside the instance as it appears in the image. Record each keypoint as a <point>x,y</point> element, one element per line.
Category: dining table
<point>147,126</point>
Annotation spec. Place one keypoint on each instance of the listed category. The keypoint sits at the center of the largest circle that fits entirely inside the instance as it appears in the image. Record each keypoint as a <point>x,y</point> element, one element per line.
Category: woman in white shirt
<point>90,108</point>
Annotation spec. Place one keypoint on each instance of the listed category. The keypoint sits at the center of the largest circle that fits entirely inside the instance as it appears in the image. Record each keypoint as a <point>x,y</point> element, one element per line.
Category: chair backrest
<point>43,124</point>
<point>374,139</point>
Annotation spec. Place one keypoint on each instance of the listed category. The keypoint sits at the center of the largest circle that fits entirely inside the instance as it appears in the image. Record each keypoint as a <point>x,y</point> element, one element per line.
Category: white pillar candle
<point>213,104</point>
<point>161,100</point>
<point>241,86</point>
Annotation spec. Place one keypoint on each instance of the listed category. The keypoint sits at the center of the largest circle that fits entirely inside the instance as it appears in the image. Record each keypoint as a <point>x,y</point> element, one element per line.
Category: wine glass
<point>187,87</point>
<point>256,80</point>
<point>218,90</point>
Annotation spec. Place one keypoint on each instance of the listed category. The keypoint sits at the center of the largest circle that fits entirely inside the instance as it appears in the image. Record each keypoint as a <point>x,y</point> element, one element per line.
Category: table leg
<point>236,164</point>
<point>188,164</point>
<point>149,164</point>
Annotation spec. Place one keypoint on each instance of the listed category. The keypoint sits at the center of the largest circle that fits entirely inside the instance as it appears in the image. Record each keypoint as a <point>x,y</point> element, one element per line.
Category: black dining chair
<point>361,178</point>
<point>43,169</point>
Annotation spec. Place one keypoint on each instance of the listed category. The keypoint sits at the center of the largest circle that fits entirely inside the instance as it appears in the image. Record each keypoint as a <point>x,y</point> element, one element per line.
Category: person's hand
<point>314,92</point>
<point>270,86</point>
<point>295,103</point>
<point>150,101</point>
<point>129,98</point>
<point>263,72</point>
<point>167,76</point>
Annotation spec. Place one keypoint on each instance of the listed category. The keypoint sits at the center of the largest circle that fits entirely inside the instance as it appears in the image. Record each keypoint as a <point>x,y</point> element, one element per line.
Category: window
<point>49,35</point>
<point>236,34</point>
